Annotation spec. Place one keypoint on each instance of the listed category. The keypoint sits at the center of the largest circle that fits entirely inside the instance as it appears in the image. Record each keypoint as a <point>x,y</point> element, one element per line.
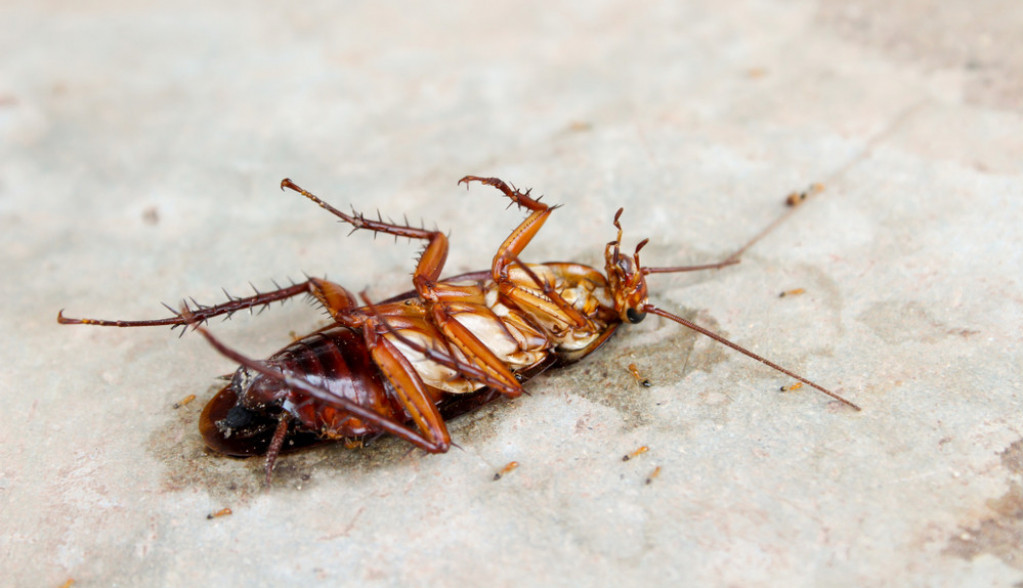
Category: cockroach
<point>406,365</point>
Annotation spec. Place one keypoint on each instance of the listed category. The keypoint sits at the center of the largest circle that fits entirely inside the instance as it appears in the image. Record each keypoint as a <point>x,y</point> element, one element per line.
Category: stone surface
<point>141,145</point>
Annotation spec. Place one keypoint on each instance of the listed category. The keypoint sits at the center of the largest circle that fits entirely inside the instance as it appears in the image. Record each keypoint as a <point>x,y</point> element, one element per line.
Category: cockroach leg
<point>425,278</point>
<point>431,262</point>
<point>276,443</point>
<point>446,359</point>
<point>521,236</point>
<point>522,199</point>
<point>548,289</point>
<point>200,313</point>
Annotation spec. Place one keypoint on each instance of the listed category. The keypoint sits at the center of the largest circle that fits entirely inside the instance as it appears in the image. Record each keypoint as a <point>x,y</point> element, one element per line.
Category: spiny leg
<point>508,252</point>
<point>201,313</point>
<point>430,265</point>
<point>427,274</point>
<point>408,386</point>
<point>333,297</point>
<point>431,262</point>
<point>522,234</point>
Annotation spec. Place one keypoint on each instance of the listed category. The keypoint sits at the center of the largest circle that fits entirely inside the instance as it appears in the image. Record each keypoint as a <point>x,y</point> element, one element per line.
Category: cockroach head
<point>625,278</point>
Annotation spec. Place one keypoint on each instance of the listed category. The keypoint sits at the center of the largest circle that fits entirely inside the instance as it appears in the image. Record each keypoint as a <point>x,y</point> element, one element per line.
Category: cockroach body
<point>406,365</point>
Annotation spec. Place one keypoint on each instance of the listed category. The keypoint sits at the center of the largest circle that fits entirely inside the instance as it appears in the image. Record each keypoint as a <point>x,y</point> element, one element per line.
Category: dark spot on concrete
<point>479,426</point>
<point>1012,457</point>
<point>1000,534</point>
<point>897,321</point>
<point>189,465</point>
<point>151,215</point>
<point>607,380</point>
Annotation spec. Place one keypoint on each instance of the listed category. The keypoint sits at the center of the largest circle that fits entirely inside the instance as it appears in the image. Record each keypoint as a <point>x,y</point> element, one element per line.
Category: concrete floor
<point>141,145</point>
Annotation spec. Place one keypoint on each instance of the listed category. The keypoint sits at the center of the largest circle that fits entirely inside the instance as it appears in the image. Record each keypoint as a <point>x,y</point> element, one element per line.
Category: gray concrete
<point>140,150</point>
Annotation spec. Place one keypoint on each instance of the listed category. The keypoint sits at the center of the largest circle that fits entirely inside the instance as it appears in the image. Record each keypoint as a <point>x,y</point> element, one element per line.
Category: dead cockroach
<point>184,401</point>
<point>407,364</point>
<point>792,386</point>
<point>792,292</point>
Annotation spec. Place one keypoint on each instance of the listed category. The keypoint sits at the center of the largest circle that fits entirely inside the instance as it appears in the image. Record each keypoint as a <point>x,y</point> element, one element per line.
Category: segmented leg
<point>550,292</point>
<point>276,444</point>
<point>331,295</point>
<point>550,303</point>
<point>523,234</point>
<point>408,386</point>
<point>202,313</point>
<point>410,390</point>
<point>431,262</point>
<point>475,350</point>
<point>394,325</point>
<point>425,278</point>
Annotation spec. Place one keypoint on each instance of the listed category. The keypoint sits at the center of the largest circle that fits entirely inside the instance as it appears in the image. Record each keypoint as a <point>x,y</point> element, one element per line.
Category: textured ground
<point>141,145</point>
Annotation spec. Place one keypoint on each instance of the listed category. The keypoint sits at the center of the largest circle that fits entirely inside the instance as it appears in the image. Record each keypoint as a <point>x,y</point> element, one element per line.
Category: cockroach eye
<point>634,315</point>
